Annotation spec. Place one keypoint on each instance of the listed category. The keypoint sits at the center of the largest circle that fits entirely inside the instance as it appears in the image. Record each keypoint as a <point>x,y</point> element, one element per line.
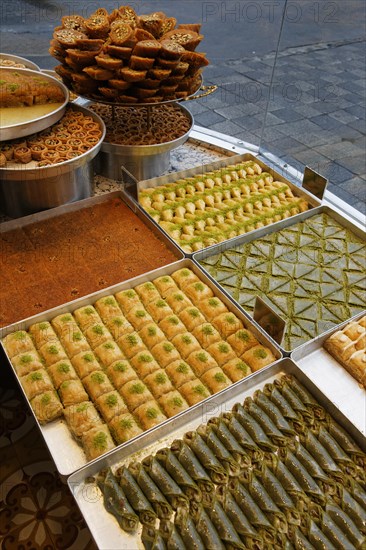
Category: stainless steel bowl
<point>17,59</point>
<point>25,191</point>
<point>142,161</point>
<point>15,131</point>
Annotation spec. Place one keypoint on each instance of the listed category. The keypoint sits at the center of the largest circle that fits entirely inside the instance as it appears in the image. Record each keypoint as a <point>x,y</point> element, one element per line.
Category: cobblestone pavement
<point>314,112</point>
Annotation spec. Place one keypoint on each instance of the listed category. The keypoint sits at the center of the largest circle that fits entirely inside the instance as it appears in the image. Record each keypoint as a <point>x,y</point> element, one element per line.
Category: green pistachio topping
<point>186,339</point>
<point>161,303</point>
<point>161,378</point>
<point>35,376</point>
<point>179,297</point>
<point>173,320</point>
<point>200,389</point>
<point>83,407</point>
<point>77,336</point>
<point>194,312</point>
<point>43,326</point>
<point>46,399</point>
<point>183,368</point>
<point>145,358</point>
<point>88,357</point>
<point>168,347</point>
<point>132,339</point>
<point>165,279</point>
<point>202,357</point>
<point>118,322</point>
<point>152,331</point>
<point>108,345</point>
<point>137,388</point>
<point>126,423</point>
<point>66,318</point>
<point>120,367</point>
<point>243,335</point>
<point>100,440</point>
<point>53,350</point>
<point>230,319</point>
<point>213,302</point>
<point>98,377</point>
<point>149,286</point>
<point>111,400</point>
<point>260,353</point>
<point>223,348</point>
<point>63,367</point>
<point>129,293</point>
<point>242,366</point>
<point>89,310</point>
<point>152,413</point>
<point>176,401</point>
<point>220,377</point>
<point>140,313</point>
<point>20,335</point>
<point>208,330</point>
<point>109,301</point>
<point>98,329</point>
<point>200,287</point>
<point>27,358</point>
<point>185,272</point>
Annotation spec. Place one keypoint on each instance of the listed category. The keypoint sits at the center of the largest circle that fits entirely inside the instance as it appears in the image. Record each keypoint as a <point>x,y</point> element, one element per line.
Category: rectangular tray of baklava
<point>74,250</point>
<point>310,270</point>
<point>102,370</point>
<point>322,361</point>
<point>241,470</point>
<point>214,202</point>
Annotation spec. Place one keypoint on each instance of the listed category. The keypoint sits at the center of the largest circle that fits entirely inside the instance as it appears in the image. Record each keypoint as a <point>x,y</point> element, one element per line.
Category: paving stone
<point>356,187</point>
<point>287,115</point>
<point>339,150</point>
<point>343,194</point>
<point>356,163</point>
<point>336,173</point>
<point>357,111</point>
<point>234,112</point>
<point>227,127</point>
<point>251,122</point>
<point>326,122</point>
<point>359,125</point>
<point>343,116</point>
<point>208,118</point>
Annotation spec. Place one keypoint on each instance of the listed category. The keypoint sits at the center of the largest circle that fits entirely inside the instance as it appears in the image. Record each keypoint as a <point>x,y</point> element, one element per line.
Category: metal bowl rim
<point>32,66</point>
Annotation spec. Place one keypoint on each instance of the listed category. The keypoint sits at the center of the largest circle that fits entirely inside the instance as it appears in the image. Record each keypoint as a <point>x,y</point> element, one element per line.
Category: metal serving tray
<point>103,526</point>
<point>133,189</point>
<point>332,378</point>
<point>268,230</point>
<point>66,453</point>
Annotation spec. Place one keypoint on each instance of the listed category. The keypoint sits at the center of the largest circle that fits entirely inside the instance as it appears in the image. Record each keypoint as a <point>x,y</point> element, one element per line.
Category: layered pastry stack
<point>73,135</point>
<point>207,209</point>
<point>348,347</point>
<point>127,58</point>
<point>134,359</point>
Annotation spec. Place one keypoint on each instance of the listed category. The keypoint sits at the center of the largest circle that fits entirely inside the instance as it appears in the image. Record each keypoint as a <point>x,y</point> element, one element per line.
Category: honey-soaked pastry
<point>138,316</point>
<point>122,52</point>
<point>169,24</point>
<point>128,299</point>
<point>83,83</point>
<point>172,326</point>
<point>98,73</point>
<point>215,379</point>
<point>89,44</point>
<point>36,382</point>
<point>171,50</point>
<point>124,427</point>
<point>144,364</point>
<point>42,333</point>
<point>128,15</point>
<point>179,373</point>
<point>158,73</point>
<point>131,344</point>
<point>108,353</point>
<point>348,347</point>
<point>152,23</point>
<point>236,369</point>
<point>97,441</point>
<point>74,342</point>
<point>185,37</point>
<point>22,155</point>
<point>151,334</point>
<point>52,353</point>
<point>172,403</point>
<point>121,372</point>
<point>194,59</point>
<point>178,301</point>
<point>118,326</point>
<point>68,37</point>
<point>135,393</point>
<point>340,345</point>
<point>106,61</point>
<point>97,334</point>
<point>194,391</point>
<point>61,371</point>
<point>356,365</point>
<point>201,361</point>
<point>186,343</point>
<point>131,75</point>
<point>81,58</point>
<point>46,406</point>
<point>24,363</point>
<point>141,63</point>
<point>85,363</point>
<point>258,357</point>
<point>164,284</point>
<point>212,307</point>
<point>184,277</point>
<point>75,22</point>
<point>63,323</point>
<point>142,34</point>
<point>149,414</point>
<point>97,25</point>
<point>222,352</point>
<point>159,309</point>
<point>357,333</point>
<point>165,352</point>
<point>192,318</point>
<point>147,48</point>
<point>111,404</point>
<point>147,292</point>
<point>206,334</point>
<point>198,291</point>
<point>81,417</point>
<point>242,340</point>
<point>96,384</point>
<point>227,324</point>
<point>72,392</point>
<point>18,342</point>
<point>159,383</point>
